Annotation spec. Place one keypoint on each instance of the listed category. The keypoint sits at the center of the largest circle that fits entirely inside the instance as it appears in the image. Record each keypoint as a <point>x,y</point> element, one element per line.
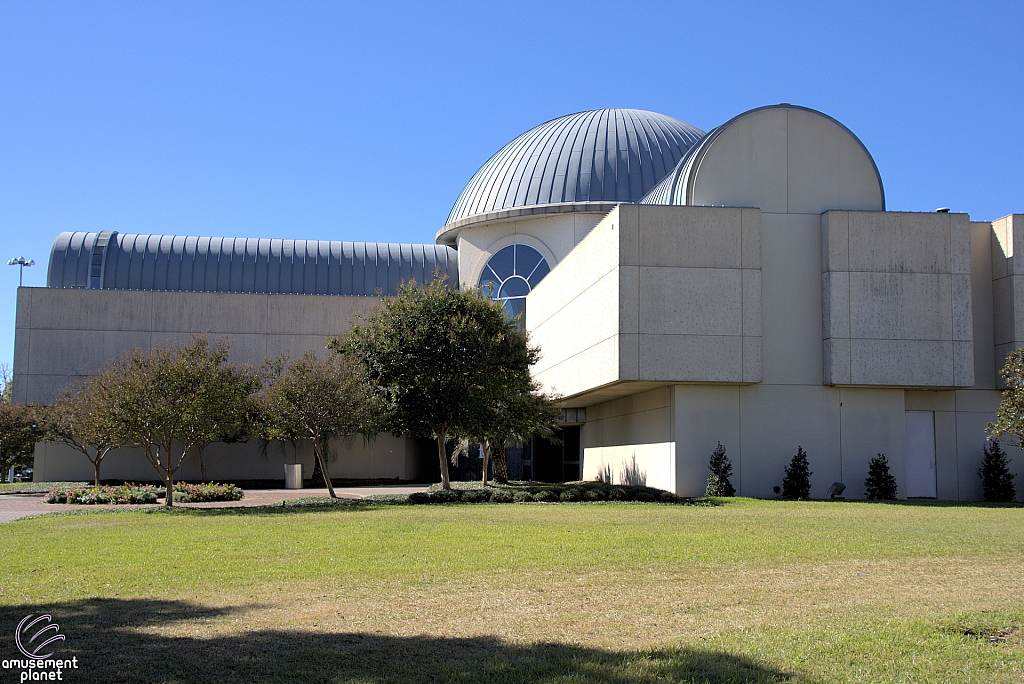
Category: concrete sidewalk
<point>15,506</point>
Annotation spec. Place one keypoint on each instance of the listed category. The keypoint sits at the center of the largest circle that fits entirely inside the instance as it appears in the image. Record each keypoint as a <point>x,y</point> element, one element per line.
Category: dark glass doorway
<point>557,462</point>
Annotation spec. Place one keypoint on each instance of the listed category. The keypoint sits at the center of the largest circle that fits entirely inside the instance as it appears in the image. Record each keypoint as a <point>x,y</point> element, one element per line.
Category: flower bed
<point>105,494</point>
<point>207,491</point>
<point>143,494</point>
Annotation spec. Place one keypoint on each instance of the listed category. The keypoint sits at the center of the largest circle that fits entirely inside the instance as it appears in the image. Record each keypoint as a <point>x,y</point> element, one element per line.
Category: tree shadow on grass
<point>113,642</point>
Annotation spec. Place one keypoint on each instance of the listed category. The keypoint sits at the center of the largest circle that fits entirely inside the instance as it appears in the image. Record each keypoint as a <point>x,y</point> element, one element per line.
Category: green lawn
<point>745,591</point>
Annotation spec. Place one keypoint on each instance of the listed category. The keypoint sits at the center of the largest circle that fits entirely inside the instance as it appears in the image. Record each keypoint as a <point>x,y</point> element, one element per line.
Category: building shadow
<point>113,642</point>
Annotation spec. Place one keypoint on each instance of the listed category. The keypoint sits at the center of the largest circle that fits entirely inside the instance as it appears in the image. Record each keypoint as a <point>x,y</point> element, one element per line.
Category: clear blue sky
<point>362,121</point>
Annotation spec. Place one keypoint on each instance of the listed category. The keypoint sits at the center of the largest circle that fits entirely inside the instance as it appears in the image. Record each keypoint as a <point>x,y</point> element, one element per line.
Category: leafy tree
<point>797,482</point>
<point>719,472</point>
<point>6,384</point>
<point>514,419</point>
<point>19,431</point>
<point>83,418</point>
<point>880,485</point>
<point>437,359</point>
<point>996,478</point>
<point>168,400</point>
<point>315,400</point>
<point>1010,414</point>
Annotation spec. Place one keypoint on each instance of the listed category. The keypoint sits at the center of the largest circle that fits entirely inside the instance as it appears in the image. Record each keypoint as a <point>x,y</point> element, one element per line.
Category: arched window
<point>512,273</point>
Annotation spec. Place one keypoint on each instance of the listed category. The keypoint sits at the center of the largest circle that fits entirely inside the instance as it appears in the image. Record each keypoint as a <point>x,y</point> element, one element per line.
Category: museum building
<point>745,286</point>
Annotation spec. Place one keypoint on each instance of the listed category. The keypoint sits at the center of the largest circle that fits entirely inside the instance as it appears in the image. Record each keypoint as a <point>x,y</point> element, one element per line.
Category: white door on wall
<point>921,454</point>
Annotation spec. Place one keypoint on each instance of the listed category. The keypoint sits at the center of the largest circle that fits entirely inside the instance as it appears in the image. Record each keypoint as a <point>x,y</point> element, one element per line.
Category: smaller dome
<point>604,155</point>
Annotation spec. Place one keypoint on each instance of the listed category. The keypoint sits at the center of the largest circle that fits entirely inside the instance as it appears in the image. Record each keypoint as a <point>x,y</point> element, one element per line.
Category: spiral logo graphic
<point>40,632</point>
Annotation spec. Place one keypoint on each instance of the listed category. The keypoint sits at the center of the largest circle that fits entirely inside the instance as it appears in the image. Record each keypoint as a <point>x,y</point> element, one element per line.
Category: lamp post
<point>21,261</point>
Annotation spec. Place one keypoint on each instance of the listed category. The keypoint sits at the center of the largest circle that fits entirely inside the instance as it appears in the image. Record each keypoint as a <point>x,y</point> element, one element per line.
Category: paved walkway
<point>15,506</point>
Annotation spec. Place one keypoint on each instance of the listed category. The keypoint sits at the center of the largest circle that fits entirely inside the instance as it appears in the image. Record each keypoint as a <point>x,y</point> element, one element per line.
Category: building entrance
<point>920,454</point>
<point>554,462</point>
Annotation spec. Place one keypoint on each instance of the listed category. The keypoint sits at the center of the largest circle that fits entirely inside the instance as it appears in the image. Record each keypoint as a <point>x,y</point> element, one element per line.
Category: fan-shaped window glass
<point>512,273</point>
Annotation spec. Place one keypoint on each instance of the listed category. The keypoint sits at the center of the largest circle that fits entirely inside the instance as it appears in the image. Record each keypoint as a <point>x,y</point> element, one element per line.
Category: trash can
<point>293,476</point>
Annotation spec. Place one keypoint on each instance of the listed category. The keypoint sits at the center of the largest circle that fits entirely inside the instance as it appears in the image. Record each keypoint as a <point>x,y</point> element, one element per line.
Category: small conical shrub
<point>719,472</point>
<point>797,483</point>
<point>880,484</point>
<point>996,478</point>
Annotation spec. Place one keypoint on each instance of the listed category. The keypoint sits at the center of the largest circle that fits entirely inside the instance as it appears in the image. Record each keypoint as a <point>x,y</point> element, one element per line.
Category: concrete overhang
<point>450,233</point>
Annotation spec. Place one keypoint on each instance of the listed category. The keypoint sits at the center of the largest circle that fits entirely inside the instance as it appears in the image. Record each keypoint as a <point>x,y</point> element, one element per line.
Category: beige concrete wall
<point>655,464</point>
<point>897,299</point>
<point>982,287</point>
<point>653,294</point>
<point>553,235</point>
<point>62,335</point>
<point>1007,287</point>
<point>787,161</point>
<point>385,457</point>
<point>644,418</point>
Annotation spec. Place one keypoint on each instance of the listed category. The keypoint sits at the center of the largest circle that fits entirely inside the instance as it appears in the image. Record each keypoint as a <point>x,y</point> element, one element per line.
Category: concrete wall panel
<point>693,237</point>
<point>775,419</point>
<point>691,301</point>
<point>791,299</point>
<point>872,423</point>
<point>746,165</point>
<point>703,416</point>
<point>827,167</point>
<point>908,311</point>
<point>655,463</point>
<point>982,314</point>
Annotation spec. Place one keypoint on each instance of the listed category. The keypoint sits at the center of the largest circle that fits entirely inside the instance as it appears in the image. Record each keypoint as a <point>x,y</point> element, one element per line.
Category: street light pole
<point>22,262</point>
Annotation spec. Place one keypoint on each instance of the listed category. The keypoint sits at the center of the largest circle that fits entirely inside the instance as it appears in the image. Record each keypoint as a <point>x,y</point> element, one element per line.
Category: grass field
<point>618,593</point>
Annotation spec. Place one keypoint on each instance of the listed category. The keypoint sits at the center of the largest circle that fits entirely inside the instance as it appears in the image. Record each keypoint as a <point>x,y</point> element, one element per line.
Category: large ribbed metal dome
<point>604,155</point>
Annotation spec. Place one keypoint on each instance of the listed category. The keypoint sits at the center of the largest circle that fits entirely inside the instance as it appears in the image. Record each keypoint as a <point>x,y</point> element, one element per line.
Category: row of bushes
<point>143,494</point>
<point>589,491</point>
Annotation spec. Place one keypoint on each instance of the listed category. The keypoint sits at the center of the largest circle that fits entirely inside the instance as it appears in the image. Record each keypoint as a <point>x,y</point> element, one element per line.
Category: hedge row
<point>552,493</point>
<point>143,494</point>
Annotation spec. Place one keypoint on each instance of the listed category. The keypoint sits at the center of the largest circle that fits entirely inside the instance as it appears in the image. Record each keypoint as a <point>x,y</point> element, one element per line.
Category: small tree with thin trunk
<point>520,416</point>
<point>315,400</point>
<point>19,431</point>
<point>513,419</point>
<point>170,399</point>
<point>83,419</point>
<point>436,359</point>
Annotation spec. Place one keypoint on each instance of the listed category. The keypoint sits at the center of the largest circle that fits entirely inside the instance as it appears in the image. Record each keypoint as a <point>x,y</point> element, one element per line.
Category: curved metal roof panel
<point>604,155</point>
<point>175,263</point>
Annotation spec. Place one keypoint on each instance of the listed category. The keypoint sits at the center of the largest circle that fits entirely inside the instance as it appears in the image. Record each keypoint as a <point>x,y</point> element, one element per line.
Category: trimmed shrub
<point>105,494</point>
<point>719,472</point>
<point>207,491</point>
<point>797,483</point>
<point>501,496</point>
<point>595,494</point>
<point>667,497</point>
<point>419,498</point>
<point>880,485</point>
<point>645,495</point>
<point>445,496</point>
<point>521,496</point>
<point>571,494</point>
<point>996,478</point>
<point>618,494</point>
<point>475,495</point>
<point>545,495</point>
